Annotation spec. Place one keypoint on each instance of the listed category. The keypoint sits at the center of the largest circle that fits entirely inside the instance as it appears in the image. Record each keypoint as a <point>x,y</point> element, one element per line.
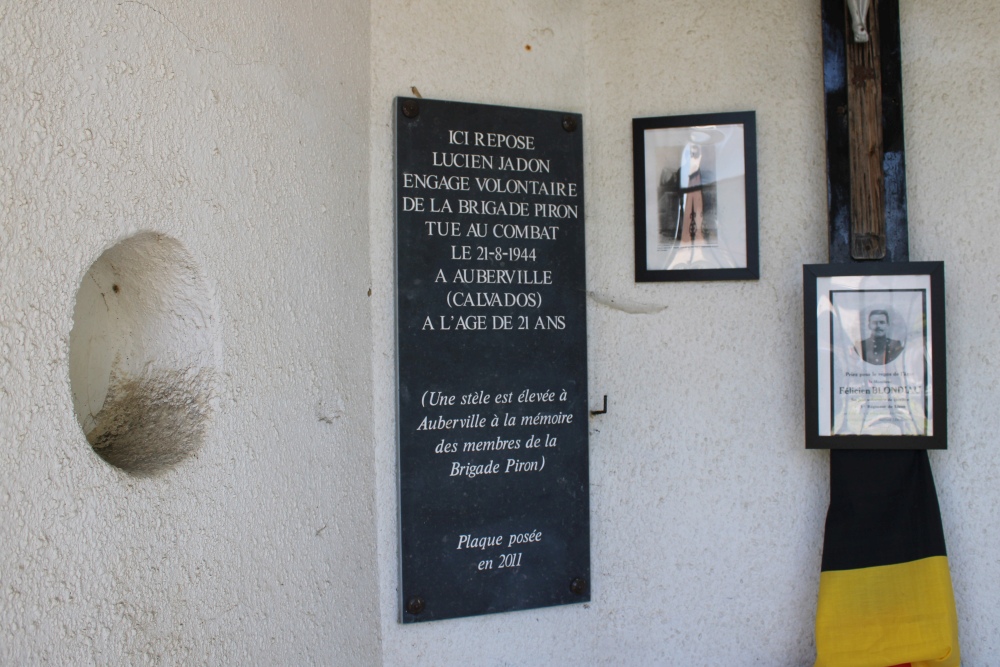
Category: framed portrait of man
<point>874,355</point>
<point>695,197</point>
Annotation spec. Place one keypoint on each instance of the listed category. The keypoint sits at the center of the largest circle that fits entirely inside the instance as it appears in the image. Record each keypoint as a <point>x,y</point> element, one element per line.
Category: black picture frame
<point>874,340</point>
<point>695,179</point>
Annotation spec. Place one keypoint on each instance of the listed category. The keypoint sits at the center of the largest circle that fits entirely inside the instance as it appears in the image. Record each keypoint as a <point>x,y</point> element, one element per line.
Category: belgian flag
<point>885,595</point>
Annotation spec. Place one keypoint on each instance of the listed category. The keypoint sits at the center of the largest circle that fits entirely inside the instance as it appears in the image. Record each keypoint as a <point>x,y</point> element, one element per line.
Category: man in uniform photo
<point>878,349</point>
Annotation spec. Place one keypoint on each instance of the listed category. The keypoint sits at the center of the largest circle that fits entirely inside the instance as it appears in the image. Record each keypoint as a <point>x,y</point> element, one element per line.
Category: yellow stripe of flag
<point>888,615</point>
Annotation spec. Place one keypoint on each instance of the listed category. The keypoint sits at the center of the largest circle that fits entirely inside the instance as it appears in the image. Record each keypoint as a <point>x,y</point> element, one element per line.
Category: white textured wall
<point>240,129</point>
<point>707,513</point>
<point>707,510</point>
<point>258,134</point>
<point>951,99</point>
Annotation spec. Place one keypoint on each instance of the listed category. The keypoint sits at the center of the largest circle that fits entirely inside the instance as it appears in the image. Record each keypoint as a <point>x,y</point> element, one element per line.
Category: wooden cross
<point>866,180</point>
<point>866,186</point>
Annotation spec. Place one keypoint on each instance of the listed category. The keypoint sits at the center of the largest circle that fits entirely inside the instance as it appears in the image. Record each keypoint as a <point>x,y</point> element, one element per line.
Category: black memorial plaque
<point>492,353</point>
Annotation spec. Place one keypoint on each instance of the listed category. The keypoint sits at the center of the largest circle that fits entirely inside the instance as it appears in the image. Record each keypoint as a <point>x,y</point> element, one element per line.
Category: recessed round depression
<point>142,354</point>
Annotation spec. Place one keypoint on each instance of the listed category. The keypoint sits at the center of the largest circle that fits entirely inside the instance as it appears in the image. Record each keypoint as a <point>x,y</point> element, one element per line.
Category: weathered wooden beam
<point>866,182</point>
<point>864,129</point>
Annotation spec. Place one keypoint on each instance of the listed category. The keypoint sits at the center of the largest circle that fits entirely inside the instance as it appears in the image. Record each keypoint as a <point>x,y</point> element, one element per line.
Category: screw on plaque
<point>578,586</point>
<point>415,606</point>
<point>569,123</point>
<point>410,108</point>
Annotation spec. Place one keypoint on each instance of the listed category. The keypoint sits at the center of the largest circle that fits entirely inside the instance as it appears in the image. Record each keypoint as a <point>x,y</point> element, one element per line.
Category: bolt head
<point>578,586</point>
<point>569,123</point>
<point>415,606</point>
<point>410,108</point>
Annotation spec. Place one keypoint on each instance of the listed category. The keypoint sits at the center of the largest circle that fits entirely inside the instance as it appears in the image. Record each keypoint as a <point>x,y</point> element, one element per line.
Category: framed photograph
<point>695,197</point>
<point>875,356</point>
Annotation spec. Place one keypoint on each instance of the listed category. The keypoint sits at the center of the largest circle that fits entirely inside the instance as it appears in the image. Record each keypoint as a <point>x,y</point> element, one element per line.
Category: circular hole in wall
<point>142,354</point>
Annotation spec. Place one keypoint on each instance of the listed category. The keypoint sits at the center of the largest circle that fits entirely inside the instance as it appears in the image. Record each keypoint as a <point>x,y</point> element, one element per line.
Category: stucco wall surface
<point>951,97</point>
<point>240,130</point>
<point>707,513</point>
<point>259,135</point>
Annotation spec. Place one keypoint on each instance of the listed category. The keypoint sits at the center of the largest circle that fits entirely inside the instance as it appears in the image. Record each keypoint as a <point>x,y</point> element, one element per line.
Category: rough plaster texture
<point>950,101</point>
<point>707,513</point>
<point>239,129</point>
<point>143,354</point>
<point>258,134</point>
